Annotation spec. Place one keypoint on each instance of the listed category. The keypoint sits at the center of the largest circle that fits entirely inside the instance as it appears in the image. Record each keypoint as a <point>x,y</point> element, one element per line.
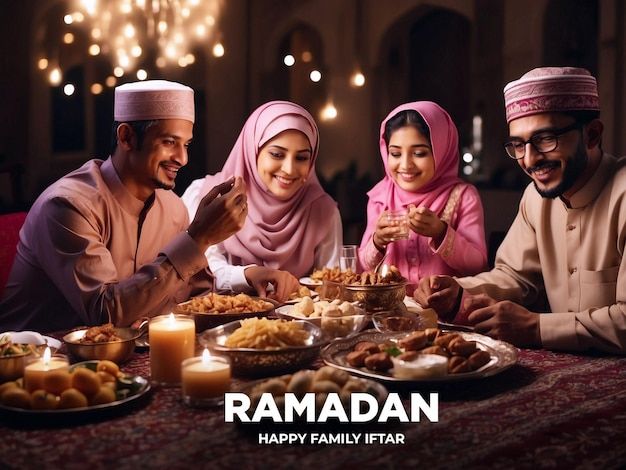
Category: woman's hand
<point>284,282</point>
<point>386,232</point>
<point>425,222</point>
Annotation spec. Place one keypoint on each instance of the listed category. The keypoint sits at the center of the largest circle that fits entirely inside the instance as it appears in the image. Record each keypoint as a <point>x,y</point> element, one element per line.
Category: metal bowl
<point>116,351</point>
<point>372,298</point>
<point>261,362</point>
<point>12,367</point>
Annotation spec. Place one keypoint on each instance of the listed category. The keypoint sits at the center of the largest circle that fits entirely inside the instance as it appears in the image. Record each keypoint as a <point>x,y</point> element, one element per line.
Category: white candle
<point>172,339</point>
<point>37,369</point>
<point>205,379</point>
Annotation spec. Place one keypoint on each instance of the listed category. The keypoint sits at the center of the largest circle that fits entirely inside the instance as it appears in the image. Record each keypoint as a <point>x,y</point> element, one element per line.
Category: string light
<point>328,113</point>
<point>315,76</point>
<point>218,50</point>
<point>358,79</point>
<point>289,60</point>
<point>128,32</point>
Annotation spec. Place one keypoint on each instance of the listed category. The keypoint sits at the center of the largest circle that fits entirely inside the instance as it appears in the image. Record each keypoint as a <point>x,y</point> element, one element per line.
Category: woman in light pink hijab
<point>419,148</point>
<point>293,226</point>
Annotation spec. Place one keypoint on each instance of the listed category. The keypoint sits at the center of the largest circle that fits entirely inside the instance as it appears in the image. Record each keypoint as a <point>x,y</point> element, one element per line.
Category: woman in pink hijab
<point>293,226</point>
<point>419,148</point>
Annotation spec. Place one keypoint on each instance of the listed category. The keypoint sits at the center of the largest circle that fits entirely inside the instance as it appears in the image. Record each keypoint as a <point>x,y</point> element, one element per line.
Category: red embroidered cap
<point>551,89</point>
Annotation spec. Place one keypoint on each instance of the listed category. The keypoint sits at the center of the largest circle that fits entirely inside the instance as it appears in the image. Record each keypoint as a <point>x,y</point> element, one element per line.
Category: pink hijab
<point>277,234</point>
<point>387,195</point>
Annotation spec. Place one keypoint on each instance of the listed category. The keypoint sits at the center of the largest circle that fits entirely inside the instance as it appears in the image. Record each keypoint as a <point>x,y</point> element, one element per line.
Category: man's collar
<point>590,191</point>
<point>129,203</point>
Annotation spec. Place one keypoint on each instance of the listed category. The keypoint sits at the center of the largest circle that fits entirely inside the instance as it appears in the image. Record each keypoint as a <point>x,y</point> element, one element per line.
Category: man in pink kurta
<point>111,241</point>
<point>567,242</point>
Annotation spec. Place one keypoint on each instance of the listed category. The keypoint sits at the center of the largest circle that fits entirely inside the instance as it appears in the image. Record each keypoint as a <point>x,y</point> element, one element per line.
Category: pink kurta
<point>90,252</point>
<point>462,250</point>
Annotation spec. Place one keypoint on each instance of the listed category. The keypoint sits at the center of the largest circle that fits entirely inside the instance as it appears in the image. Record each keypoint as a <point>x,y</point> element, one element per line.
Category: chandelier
<point>136,35</point>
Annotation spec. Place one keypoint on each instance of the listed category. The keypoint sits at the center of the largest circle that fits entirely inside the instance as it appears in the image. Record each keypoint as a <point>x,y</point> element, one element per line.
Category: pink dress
<point>463,250</point>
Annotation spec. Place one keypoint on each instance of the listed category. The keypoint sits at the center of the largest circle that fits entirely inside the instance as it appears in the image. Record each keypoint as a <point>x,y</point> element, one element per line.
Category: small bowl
<point>261,362</point>
<point>343,326</point>
<point>12,367</point>
<point>396,321</point>
<point>116,351</point>
<point>372,298</point>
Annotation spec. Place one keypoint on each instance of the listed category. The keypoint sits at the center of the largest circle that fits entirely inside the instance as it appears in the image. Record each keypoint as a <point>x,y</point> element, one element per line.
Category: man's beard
<point>574,167</point>
<point>158,184</point>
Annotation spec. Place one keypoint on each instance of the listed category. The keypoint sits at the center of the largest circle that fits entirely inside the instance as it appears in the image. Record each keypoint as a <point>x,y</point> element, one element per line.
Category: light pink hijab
<point>387,195</point>
<point>277,234</point>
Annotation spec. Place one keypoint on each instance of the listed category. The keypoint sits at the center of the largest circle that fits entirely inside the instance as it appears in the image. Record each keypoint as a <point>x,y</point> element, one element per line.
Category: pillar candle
<point>35,371</point>
<point>172,339</point>
<point>206,377</point>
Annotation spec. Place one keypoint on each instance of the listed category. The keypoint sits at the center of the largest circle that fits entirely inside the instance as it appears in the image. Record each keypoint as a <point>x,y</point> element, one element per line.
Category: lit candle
<point>37,370</point>
<point>172,339</point>
<point>205,379</point>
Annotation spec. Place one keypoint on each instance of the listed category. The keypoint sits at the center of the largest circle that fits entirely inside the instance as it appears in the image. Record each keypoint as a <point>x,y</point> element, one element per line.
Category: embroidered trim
<point>453,199</point>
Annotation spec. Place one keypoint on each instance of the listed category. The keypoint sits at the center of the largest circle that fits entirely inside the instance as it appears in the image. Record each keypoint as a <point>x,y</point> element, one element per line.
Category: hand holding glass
<point>400,220</point>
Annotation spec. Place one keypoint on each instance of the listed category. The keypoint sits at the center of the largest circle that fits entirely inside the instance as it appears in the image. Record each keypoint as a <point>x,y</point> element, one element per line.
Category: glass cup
<point>399,219</point>
<point>347,260</point>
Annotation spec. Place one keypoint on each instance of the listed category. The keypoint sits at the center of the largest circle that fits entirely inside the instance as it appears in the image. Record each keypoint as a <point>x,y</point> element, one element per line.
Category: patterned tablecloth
<point>551,410</point>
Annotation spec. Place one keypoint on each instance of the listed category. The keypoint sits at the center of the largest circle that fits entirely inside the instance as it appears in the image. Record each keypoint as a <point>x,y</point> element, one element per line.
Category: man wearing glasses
<point>567,242</point>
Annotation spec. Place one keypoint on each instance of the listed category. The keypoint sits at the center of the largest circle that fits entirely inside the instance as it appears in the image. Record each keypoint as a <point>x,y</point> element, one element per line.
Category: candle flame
<point>47,354</point>
<point>384,270</point>
<point>206,357</point>
<point>171,320</point>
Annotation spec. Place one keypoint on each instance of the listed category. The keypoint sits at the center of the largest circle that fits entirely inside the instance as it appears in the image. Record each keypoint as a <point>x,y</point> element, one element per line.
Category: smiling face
<point>558,172</point>
<point>410,158</point>
<point>163,152</point>
<point>284,162</point>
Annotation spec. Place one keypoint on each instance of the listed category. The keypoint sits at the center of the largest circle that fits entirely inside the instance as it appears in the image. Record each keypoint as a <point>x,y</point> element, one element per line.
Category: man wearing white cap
<point>566,245</point>
<point>110,241</point>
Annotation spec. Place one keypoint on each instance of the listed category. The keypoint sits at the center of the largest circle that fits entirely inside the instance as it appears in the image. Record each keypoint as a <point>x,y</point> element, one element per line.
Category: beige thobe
<point>576,255</point>
<point>90,252</point>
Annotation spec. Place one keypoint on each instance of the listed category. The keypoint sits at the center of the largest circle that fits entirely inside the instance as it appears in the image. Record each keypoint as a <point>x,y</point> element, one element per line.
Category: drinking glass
<point>399,219</point>
<point>347,260</point>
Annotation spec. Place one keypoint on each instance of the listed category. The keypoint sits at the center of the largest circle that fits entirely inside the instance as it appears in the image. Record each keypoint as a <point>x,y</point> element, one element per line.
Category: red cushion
<point>10,225</point>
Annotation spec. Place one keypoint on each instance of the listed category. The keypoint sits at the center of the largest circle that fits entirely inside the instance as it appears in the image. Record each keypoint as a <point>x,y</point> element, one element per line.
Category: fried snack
<point>14,349</point>
<point>100,334</point>
<point>302,292</point>
<point>379,361</point>
<point>369,278</point>
<point>261,333</point>
<point>357,358</point>
<point>217,303</point>
<point>331,274</point>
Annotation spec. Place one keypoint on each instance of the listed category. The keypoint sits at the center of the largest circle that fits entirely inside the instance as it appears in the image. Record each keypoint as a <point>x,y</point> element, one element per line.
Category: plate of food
<point>321,382</point>
<point>29,337</point>
<point>300,294</point>
<point>431,355</point>
<point>310,282</point>
<point>336,318</point>
<point>213,309</point>
<point>263,347</point>
<point>88,390</point>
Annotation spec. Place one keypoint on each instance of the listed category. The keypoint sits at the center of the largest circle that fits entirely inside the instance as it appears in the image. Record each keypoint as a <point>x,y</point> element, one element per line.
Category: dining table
<point>550,410</point>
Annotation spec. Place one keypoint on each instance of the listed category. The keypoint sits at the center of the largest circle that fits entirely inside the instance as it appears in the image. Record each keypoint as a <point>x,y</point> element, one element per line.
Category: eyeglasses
<point>542,142</point>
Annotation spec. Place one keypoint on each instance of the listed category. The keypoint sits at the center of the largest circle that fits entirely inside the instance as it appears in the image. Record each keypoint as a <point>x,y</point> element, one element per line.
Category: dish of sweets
<point>86,389</point>
<point>336,318</point>
<point>431,355</point>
